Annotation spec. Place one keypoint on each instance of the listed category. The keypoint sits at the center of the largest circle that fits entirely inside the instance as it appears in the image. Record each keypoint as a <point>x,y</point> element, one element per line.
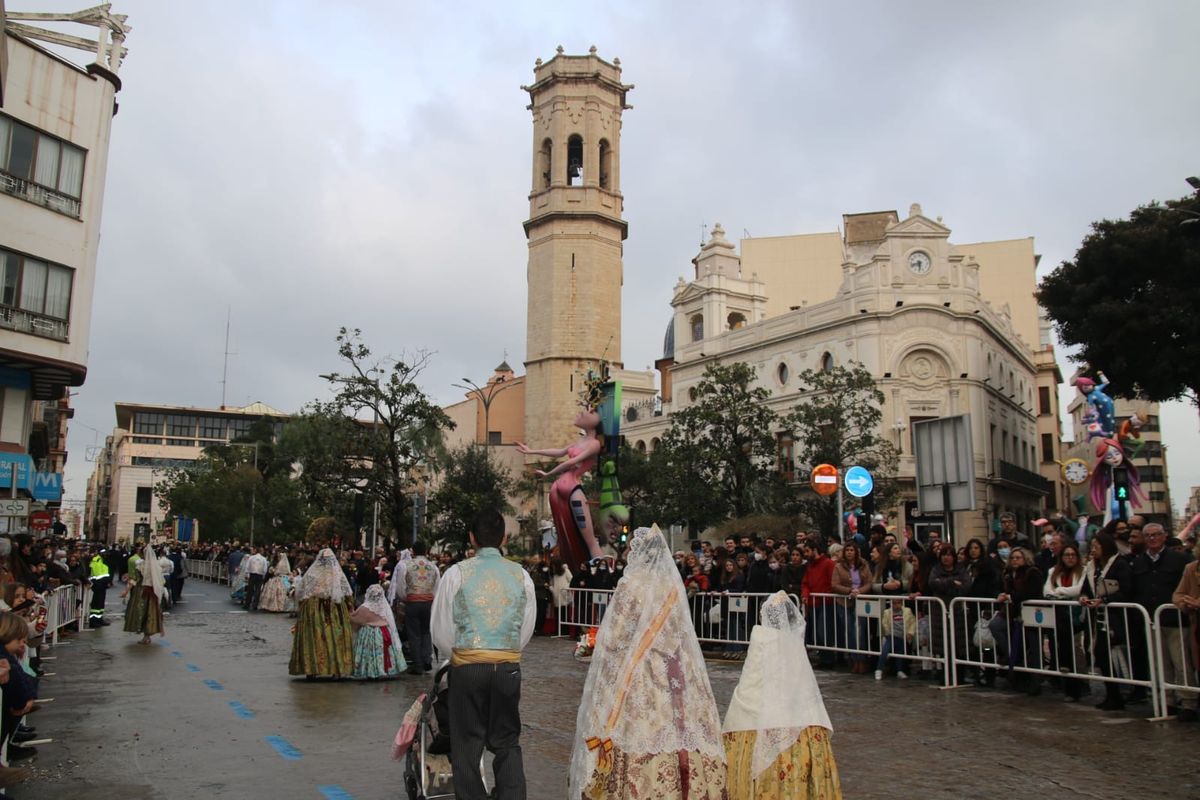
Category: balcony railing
<point>22,321</point>
<point>35,193</point>
<point>1018,476</point>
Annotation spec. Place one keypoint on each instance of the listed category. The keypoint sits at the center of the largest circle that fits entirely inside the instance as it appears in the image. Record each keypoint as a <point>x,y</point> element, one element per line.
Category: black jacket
<point>1155,581</point>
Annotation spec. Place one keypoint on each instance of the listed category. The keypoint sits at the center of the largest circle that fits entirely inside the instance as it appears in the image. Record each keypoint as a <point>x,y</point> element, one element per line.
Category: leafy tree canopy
<point>471,481</point>
<point>386,432</point>
<point>1128,301</point>
<point>719,455</point>
<point>837,421</point>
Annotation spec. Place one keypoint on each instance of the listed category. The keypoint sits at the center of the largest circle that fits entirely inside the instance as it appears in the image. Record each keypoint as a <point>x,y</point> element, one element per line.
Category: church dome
<point>669,340</point>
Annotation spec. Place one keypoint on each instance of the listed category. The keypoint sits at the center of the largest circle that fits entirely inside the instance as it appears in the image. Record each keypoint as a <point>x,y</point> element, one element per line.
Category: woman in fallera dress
<point>648,726</point>
<point>143,613</point>
<point>322,645</point>
<point>777,732</point>
<point>376,641</point>
<point>274,595</point>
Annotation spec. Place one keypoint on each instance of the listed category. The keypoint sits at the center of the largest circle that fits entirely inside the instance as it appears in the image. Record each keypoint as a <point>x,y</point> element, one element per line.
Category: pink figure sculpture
<point>568,504</point>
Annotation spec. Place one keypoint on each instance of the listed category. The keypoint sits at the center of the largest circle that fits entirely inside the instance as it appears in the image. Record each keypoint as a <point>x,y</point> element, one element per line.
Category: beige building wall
<point>1049,428</point>
<point>56,97</point>
<point>137,457</point>
<point>936,345</point>
<point>803,269</point>
<point>807,269</point>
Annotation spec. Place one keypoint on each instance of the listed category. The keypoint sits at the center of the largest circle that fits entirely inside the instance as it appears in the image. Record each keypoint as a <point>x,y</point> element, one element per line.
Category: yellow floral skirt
<point>143,613</point>
<point>683,775</point>
<point>805,771</point>
<point>324,642</point>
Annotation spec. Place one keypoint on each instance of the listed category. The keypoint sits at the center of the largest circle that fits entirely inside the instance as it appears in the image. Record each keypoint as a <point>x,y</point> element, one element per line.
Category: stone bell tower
<point>575,231</point>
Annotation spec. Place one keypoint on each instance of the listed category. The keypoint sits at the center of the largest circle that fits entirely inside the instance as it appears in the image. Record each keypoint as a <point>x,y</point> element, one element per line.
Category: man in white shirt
<point>415,581</point>
<point>482,617</point>
<point>256,567</point>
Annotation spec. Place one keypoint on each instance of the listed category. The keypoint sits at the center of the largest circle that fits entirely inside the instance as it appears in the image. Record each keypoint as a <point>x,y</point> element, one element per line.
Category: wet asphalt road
<point>164,722</point>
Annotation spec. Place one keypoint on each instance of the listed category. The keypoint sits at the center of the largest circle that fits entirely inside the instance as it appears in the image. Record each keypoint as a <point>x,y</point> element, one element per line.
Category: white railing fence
<point>1118,643</point>
<point>65,606</point>
<point>1175,650</point>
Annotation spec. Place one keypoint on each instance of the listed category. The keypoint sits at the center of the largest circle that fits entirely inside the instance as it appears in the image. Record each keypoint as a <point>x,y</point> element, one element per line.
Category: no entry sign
<point>824,480</point>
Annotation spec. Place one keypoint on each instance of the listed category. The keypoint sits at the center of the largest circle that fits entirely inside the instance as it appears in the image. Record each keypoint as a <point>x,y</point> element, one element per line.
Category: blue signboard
<point>858,482</point>
<point>24,464</point>
<point>47,486</point>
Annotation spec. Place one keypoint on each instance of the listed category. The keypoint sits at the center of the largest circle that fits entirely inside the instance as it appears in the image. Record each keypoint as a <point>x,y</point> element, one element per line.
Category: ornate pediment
<point>918,226</point>
<point>687,293</point>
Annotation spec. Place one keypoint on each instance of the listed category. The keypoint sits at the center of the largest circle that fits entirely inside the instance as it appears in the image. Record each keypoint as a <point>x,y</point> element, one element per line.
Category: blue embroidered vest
<point>490,606</point>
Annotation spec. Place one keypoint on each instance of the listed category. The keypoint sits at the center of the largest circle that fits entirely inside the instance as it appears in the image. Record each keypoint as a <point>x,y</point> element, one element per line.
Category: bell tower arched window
<point>605,164</point>
<point>545,161</point>
<point>827,362</point>
<point>697,327</point>
<point>575,160</point>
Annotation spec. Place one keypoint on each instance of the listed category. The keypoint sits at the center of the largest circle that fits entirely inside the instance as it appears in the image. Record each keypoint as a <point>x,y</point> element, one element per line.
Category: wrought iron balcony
<point>39,195</point>
<point>1019,476</point>
<point>22,321</point>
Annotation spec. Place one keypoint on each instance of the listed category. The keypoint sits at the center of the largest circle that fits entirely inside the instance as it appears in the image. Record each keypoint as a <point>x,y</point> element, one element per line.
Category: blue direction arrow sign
<point>858,482</point>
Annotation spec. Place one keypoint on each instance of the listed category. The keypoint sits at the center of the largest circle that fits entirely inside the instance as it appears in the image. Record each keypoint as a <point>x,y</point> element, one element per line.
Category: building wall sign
<point>47,486</point>
<point>24,465</point>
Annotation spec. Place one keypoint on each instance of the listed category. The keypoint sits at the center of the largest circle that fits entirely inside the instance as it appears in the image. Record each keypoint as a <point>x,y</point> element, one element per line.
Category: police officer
<point>100,579</point>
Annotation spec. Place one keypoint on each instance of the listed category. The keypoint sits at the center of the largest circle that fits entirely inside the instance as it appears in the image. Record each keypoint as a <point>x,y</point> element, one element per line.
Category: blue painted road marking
<point>192,668</point>
<point>177,654</point>
<point>241,710</point>
<point>284,748</point>
<point>335,793</point>
<point>216,687</point>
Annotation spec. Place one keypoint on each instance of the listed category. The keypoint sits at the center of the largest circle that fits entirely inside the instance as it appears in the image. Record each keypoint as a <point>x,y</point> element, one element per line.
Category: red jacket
<point>818,579</point>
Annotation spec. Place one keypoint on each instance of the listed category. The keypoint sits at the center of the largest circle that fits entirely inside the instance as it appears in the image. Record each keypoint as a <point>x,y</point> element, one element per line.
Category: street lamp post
<point>485,394</point>
<point>253,489</point>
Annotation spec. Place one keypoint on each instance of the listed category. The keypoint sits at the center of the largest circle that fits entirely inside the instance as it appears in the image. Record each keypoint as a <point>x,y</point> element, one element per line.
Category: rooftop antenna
<point>703,232</point>
<point>228,353</point>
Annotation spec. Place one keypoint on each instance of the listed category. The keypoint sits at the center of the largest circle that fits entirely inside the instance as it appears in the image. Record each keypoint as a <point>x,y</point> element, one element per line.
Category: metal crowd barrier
<point>1113,643</point>
<point>584,610</point>
<point>215,571</point>
<point>1174,649</point>
<point>718,618</point>
<point>64,607</point>
<point>866,625</point>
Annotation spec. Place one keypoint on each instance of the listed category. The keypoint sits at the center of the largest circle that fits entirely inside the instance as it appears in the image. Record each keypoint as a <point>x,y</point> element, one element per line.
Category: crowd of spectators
<point>1124,562</point>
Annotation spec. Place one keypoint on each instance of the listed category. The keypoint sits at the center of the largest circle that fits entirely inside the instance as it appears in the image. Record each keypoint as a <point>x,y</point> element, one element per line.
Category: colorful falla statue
<point>1110,455</point>
<point>1104,424</point>
<point>599,420</point>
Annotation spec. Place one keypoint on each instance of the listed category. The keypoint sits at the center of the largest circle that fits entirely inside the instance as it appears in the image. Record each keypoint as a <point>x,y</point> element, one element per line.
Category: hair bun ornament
<point>592,394</point>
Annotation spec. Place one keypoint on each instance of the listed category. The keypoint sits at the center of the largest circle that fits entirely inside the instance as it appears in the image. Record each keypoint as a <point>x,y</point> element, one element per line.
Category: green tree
<point>837,422</point>
<point>1128,301</point>
<point>386,432</point>
<point>231,484</point>
<point>718,458</point>
<point>471,481</point>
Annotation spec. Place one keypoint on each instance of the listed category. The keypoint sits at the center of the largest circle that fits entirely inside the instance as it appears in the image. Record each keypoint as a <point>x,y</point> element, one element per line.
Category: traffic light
<point>1121,492</point>
<point>624,534</point>
<point>868,506</point>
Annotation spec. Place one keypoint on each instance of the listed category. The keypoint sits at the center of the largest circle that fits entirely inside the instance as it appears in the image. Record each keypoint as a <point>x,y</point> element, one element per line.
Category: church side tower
<point>575,233</point>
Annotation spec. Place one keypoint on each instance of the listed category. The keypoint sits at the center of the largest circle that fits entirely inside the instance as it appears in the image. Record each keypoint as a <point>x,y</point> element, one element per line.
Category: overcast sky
<point>311,165</point>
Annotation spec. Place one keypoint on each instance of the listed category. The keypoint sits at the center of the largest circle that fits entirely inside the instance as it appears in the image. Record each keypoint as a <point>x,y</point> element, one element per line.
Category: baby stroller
<point>427,764</point>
